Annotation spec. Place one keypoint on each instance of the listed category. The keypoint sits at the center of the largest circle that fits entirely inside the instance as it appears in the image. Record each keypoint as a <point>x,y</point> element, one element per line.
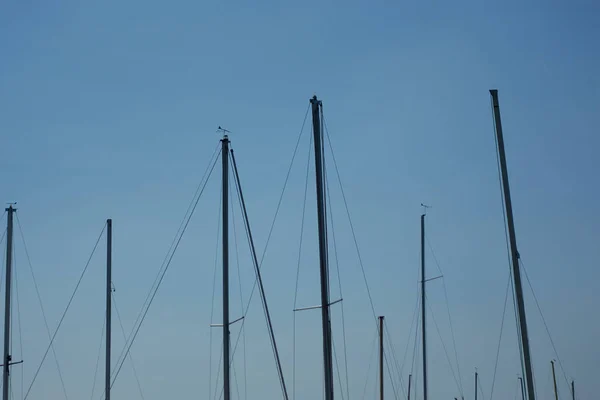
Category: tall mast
<point>323,262</point>
<point>381,357</point>
<point>423,307</point>
<point>573,389</point>
<point>225,206</point>
<point>554,379</point>
<point>409,379</point>
<point>513,249</point>
<point>108,305</point>
<point>476,376</point>
<point>7,357</point>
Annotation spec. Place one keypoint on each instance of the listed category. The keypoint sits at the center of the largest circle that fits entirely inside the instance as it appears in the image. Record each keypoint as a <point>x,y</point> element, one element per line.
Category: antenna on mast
<point>223,130</point>
<point>425,207</point>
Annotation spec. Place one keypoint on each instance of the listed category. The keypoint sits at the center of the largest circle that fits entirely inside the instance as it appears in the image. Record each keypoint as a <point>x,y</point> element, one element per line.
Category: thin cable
<point>337,367</point>
<point>298,272</point>
<point>41,304</point>
<point>162,275</point>
<point>544,321</point>
<point>351,225</point>
<point>500,338</point>
<point>339,279</point>
<point>373,347</point>
<point>462,392</point>
<point>19,320</point>
<point>506,239</point>
<point>412,324</point>
<point>272,226</point>
<point>135,374</point>
<point>212,302</point>
<point>98,358</point>
<point>237,261</point>
<point>444,347</point>
<point>65,312</point>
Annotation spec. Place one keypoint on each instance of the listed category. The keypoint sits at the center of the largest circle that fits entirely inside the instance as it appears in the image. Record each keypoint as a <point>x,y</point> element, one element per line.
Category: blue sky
<point>110,110</point>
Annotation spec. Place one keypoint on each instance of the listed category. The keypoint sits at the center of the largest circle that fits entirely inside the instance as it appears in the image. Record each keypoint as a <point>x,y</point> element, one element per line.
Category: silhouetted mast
<point>7,357</point>
<point>513,249</point>
<point>323,262</point>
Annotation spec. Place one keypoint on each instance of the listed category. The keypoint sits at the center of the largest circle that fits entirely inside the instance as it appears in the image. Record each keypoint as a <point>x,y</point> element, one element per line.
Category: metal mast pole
<point>7,357</point>
<point>323,262</point>
<point>513,249</point>
<point>423,307</point>
<point>409,379</point>
<point>108,305</point>
<point>554,379</point>
<point>476,375</point>
<point>226,344</point>
<point>573,389</point>
<point>381,357</point>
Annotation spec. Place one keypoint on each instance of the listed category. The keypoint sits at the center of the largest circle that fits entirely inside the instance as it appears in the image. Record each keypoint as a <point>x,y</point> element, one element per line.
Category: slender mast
<point>554,380</point>
<point>513,249</point>
<point>476,375</point>
<point>108,305</point>
<point>323,262</point>
<point>423,307</point>
<point>381,357</point>
<point>409,379</point>
<point>573,389</point>
<point>225,206</point>
<point>7,357</point>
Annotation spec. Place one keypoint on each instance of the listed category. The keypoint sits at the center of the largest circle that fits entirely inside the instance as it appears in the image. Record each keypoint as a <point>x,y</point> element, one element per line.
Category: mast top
<point>314,100</point>
<point>10,207</point>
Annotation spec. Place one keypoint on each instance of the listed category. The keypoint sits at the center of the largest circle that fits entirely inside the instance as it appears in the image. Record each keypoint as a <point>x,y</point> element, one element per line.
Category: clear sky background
<point>109,109</point>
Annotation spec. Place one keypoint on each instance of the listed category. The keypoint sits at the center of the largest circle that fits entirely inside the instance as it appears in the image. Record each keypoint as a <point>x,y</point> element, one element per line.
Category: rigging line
<point>394,359</point>
<point>337,367</point>
<point>87,264</point>
<point>460,380</point>
<point>166,268</point>
<point>443,345</point>
<point>41,304</point>
<point>500,337</point>
<point>417,330</point>
<point>339,279</point>
<point>273,222</point>
<point>370,362</point>
<point>212,303</point>
<point>237,387</point>
<point>544,321</point>
<point>98,358</point>
<point>200,185</point>
<point>135,374</point>
<point>351,225</point>
<point>480,388</point>
<point>412,324</point>
<point>242,328</point>
<point>19,319</point>
<point>298,268</point>
<point>506,240</point>
<point>389,370</point>
<point>169,249</point>
<point>258,280</point>
<point>218,370</point>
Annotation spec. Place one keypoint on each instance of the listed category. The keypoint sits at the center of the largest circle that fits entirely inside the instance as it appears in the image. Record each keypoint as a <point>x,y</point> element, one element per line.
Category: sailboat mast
<point>423,316</point>
<point>513,249</point>
<point>323,262</point>
<point>7,357</point>
<point>225,207</point>
<point>409,380</point>
<point>108,306</point>
<point>554,380</point>
<point>476,376</point>
<point>573,389</point>
<point>381,357</point>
